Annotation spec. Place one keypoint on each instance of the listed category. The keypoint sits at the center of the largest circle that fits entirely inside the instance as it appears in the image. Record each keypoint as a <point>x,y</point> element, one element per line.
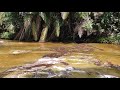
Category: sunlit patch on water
<point>107,76</point>
<point>19,51</point>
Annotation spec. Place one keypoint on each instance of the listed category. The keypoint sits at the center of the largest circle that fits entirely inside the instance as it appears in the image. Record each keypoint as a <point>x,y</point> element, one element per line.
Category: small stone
<point>69,68</point>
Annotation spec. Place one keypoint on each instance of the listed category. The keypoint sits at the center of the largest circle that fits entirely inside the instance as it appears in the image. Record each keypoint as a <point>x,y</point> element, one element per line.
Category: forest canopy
<point>101,27</point>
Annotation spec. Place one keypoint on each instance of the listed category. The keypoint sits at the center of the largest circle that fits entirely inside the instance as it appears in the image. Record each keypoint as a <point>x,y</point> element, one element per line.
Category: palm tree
<point>45,26</point>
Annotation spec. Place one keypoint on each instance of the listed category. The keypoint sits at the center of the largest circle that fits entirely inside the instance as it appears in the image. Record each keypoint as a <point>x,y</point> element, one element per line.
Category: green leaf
<point>11,28</point>
<point>84,15</point>
<point>88,25</point>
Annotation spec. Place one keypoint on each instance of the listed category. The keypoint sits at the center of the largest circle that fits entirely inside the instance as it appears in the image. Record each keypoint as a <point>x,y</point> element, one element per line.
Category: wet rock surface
<point>48,67</point>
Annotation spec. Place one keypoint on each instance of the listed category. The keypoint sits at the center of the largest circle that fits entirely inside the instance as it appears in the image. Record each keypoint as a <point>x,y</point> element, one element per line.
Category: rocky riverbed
<point>61,67</point>
<point>48,60</point>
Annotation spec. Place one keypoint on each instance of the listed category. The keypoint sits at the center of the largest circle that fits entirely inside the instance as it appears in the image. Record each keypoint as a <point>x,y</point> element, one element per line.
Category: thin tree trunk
<point>44,34</point>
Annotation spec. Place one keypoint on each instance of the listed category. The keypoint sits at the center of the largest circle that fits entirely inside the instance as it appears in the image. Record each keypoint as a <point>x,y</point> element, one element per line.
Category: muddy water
<point>54,60</point>
<point>107,52</point>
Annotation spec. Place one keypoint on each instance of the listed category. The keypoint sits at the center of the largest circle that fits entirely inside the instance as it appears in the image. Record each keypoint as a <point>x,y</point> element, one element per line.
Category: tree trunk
<point>44,34</point>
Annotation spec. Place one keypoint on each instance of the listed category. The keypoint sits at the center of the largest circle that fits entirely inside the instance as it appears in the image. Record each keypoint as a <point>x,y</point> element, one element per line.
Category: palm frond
<point>79,30</point>
<point>84,15</point>
<point>27,22</point>
<point>38,27</point>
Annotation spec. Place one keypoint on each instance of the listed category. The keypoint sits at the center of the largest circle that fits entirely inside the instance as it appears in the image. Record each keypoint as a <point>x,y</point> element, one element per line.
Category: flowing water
<point>58,60</point>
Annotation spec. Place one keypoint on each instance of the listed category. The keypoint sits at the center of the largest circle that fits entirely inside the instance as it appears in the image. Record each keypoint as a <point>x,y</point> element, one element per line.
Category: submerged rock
<point>20,51</point>
<point>53,55</point>
<point>59,68</point>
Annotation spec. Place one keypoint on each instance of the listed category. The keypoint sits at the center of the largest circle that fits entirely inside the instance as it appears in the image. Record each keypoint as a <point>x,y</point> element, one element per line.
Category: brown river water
<point>58,60</point>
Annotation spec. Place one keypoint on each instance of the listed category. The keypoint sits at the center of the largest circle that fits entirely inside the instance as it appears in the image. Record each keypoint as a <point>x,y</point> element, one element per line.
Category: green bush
<point>104,26</point>
<point>114,40</point>
<point>5,35</point>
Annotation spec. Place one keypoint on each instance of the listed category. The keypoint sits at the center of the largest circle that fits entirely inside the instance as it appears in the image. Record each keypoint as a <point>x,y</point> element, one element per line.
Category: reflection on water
<point>89,58</point>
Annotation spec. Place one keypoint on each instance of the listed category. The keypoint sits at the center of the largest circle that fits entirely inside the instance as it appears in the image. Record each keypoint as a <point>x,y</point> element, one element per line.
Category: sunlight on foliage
<point>39,26</point>
<point>64,15</point>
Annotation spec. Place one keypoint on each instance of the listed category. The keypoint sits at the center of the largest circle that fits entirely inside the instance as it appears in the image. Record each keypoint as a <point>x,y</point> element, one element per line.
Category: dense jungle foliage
<point>101,27</point>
